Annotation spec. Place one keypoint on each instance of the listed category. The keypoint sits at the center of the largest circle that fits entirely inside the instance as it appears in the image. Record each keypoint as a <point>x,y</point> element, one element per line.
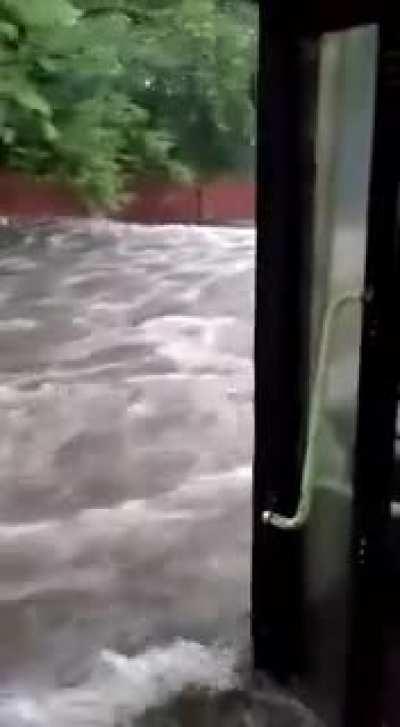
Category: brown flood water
<point>125,460</point>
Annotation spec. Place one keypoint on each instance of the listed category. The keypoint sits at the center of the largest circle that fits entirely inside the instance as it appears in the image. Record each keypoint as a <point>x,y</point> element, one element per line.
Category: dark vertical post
<point>377,404</point>
<point>281,348</point>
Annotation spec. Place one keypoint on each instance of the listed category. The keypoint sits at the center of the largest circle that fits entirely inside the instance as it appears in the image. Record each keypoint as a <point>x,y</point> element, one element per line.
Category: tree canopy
<point>101,92</point>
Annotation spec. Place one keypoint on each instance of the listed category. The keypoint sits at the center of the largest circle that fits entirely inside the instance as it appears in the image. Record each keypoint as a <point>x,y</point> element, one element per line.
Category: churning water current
<point>125,461</point>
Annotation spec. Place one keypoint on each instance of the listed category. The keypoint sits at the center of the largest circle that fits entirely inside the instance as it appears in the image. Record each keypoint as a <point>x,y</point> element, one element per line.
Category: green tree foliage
<point>100,92</point>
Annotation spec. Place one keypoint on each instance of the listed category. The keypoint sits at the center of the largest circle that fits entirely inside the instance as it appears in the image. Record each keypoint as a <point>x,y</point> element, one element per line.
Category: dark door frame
<point>285,181</point>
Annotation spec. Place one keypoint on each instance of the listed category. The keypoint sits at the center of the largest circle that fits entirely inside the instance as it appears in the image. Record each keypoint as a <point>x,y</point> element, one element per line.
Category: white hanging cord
<point>308,475</point>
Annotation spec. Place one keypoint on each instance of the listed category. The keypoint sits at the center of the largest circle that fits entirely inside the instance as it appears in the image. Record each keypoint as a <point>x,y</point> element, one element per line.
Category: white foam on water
<point>83,550</point>
<point>17,265</point>
<point>192,341</point>
<point>83,278</point>
<point>18,324</point>
<point>111,306</point>
<point>211,489</point>
<point>120,688</point>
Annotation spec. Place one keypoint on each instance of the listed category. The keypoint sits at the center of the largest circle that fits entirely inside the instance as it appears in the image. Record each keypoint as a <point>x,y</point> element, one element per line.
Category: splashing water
<point>122,688</point>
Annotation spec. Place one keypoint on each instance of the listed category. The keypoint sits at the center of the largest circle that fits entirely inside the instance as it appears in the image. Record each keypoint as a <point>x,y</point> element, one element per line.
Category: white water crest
<point>120,688</point>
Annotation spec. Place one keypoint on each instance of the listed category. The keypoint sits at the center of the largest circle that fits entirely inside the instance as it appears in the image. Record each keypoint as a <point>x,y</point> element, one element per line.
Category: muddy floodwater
<point>126,382</point>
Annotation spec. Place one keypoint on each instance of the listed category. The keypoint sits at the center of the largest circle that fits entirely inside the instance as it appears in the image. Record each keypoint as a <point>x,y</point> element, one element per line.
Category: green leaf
<point>50,132</point>
<point>29,98</point>
<point>44,13</point>
<point>7,135</point>
<point>8,31</point>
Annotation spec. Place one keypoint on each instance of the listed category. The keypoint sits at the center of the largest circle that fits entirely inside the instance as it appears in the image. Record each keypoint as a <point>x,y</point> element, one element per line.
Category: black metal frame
<point>285,166</point>
<point>313,17</point>
<point>374,456</point>
<point>280,347</point>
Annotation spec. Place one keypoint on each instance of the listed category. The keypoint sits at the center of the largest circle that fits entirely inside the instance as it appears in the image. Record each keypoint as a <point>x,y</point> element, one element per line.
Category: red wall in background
<point>162,203</point>
<point>225,200</point>
<point>22,196</point>
<point>218,202</point>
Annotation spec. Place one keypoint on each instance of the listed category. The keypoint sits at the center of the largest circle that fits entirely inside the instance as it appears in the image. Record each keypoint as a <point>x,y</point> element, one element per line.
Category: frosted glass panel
<point>345,125</point>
